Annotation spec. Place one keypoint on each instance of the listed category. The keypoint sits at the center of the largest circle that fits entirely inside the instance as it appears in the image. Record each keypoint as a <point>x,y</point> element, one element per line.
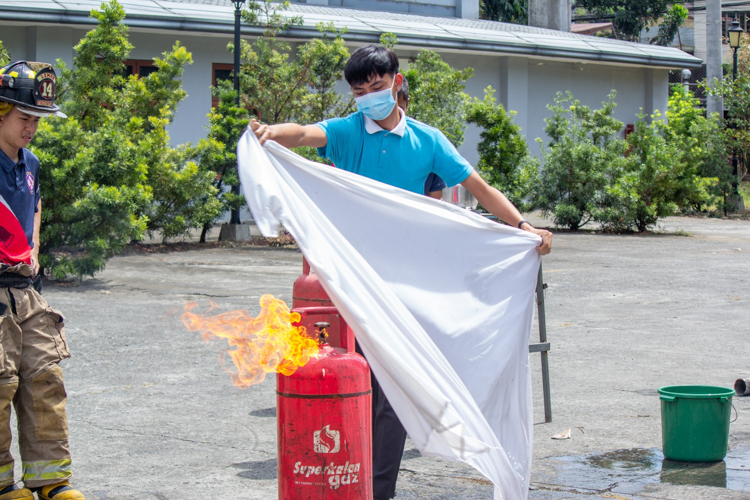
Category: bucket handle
<point>736,414</point>
<point>664,397</point>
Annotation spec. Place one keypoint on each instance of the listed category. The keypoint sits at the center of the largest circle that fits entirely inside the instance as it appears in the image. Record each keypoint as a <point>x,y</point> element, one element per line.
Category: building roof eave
<point>498,47</point>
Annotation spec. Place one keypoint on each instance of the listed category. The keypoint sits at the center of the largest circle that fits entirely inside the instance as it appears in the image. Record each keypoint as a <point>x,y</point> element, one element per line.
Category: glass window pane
<point>147,70</point>
<point>222,74</point>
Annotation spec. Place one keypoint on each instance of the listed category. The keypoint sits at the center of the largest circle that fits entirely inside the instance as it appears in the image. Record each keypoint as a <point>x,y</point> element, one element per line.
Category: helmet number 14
<point>47,89</point>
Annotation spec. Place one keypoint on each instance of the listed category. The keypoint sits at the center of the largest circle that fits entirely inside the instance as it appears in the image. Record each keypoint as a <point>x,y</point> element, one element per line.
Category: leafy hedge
<point>592,174</point>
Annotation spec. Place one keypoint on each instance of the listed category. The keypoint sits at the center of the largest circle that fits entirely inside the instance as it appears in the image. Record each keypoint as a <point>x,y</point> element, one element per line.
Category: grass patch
<point>744,189</point>
<point>664,232</point>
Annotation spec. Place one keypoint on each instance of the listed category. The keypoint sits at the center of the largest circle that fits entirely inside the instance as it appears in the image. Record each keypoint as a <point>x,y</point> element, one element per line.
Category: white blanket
<point>440,299</point>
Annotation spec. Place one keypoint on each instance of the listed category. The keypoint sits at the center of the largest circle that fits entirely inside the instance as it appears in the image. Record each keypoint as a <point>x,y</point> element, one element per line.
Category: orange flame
<point>266,344</point>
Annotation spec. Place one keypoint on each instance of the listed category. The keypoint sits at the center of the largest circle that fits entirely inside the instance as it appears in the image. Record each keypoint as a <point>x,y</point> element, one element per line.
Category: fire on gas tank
<point>324,400</point>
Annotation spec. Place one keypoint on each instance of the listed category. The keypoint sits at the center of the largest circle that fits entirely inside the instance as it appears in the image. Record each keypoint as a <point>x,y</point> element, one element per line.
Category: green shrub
<point>579,160</point>
<point>504,160</point>
<point>675,163</point>
<point>648,185</point>
<point>590,174</point>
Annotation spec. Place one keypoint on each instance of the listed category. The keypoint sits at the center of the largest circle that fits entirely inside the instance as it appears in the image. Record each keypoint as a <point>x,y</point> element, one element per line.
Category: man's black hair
<point>368,61</point>
<point>404,92</point>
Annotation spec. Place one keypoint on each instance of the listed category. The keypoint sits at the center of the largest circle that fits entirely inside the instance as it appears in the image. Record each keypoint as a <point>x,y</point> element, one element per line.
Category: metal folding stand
<point>543,346</point>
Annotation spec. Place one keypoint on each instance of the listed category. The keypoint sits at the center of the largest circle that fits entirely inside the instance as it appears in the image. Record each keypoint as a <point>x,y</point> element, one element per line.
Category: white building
<point>526,65</point>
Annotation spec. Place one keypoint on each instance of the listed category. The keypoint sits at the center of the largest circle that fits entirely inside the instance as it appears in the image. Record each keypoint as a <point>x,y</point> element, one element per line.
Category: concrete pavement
<point>153,414</point>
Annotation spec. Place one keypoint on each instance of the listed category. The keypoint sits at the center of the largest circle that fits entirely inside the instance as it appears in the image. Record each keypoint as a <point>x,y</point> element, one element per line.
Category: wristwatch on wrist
<point>522,223</point>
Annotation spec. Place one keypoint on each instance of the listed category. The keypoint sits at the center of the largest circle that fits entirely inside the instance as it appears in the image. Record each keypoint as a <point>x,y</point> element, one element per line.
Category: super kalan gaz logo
<point>327,440</point>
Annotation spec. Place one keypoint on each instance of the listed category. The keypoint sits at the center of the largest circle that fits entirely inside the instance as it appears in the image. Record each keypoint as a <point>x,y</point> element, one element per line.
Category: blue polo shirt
<point>19,189</point>
<point>403,157</point>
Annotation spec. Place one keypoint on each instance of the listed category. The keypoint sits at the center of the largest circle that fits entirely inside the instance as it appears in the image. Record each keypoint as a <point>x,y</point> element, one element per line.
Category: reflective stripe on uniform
<point>48,469</point>
<point>6,474</point>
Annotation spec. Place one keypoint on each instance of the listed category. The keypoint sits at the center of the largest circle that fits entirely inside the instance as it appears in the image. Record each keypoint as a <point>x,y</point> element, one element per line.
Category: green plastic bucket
<point>695,422</point>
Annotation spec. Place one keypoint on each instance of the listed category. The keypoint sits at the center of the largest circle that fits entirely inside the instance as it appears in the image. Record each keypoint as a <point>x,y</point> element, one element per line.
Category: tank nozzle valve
<point>322,333</point>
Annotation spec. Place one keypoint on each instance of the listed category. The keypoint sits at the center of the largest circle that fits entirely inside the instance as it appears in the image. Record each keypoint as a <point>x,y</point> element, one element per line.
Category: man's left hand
<point>546,246</point>
<point>35,263</point>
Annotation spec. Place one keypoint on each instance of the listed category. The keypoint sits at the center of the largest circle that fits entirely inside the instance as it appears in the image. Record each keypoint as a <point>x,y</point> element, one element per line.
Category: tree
<point>631,17</point>
<point>505,11</point>
<point>272,86</point>
<point>736,95</point>
<point>743,54</point>
<point>326,57</point>
<point>278,88</point>
<point>4,55</point>
<point>94,183</point>
<point>668,29</point>
<point>275,88</point>
<point>702,144</point>
<point>90,90</point>
<point>437,94</point>
<point>182,190</point>
<point>108,172</point>
<point>504,156</point>
<point>217,152</point>
<point>583,150</point>
<point>265,80</point>
<point>388,40</point>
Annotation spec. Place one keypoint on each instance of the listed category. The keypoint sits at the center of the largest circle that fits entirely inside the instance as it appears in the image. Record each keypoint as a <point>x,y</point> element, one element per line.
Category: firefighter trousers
<point>32,343</point>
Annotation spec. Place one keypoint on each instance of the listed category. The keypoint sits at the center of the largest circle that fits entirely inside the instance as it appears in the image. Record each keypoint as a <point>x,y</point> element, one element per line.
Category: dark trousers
<point>388,439</point>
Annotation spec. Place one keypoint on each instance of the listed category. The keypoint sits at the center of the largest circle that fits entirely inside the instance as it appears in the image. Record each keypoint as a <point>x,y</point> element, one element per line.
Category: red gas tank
<point>324,412</point>
<point>308,292</point>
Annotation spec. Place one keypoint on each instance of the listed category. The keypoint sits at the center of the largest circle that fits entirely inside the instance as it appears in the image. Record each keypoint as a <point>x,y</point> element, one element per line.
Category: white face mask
<point>377,105</point>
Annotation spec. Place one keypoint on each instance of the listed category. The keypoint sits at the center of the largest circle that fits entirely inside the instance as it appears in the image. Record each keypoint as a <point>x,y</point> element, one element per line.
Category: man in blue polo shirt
<point>382,143</point>
<point>32,334</point>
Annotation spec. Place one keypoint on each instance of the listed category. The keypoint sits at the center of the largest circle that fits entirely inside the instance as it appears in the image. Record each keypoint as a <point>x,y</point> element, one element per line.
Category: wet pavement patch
<point>629,471</point>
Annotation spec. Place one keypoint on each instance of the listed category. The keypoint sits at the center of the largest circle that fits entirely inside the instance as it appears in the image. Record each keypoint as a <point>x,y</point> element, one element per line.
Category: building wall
<point>15,40</point>
<point>467,9</point>
<point>57,42</point>
<point>522,84</point>
<point>699,30</point>
<point>527,86</point>
<point>49,44</point>
<point>486,73</point>
<point>591,84</point>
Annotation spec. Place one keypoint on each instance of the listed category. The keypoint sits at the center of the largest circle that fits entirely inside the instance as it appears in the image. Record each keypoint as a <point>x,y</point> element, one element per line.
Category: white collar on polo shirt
<point>371,126</point>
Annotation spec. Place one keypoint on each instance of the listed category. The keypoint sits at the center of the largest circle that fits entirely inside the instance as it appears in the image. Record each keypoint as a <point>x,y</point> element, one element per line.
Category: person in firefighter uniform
<point>380,142</point>
<point>32,338</point>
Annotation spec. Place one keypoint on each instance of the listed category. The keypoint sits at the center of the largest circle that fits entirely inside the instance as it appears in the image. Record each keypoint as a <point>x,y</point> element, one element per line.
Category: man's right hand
<point>290,135</point>
<point>261,131</point>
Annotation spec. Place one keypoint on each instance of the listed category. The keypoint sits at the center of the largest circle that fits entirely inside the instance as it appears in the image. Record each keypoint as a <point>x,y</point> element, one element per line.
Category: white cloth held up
<point>441,301</point>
